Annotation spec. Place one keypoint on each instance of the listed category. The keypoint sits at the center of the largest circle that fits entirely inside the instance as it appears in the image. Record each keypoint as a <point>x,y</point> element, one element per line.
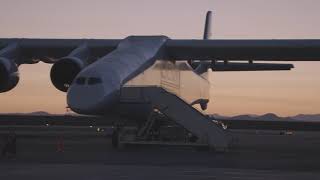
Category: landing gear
<point>115,138</point>
<point>118,127</point>
<point>147,131</point>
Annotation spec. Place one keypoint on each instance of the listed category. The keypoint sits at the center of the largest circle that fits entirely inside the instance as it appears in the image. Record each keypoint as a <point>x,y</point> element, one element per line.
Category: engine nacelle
<point>64,71</point>
<point>9,75</point>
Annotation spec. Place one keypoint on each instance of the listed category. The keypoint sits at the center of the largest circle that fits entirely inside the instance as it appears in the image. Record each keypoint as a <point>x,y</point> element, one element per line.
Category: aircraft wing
<point>72,55</point>
<point>264,50</point>
<point>50,50</point>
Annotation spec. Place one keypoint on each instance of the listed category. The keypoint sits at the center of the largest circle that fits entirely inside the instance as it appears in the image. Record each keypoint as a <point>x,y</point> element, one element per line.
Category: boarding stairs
<point>207,131</point>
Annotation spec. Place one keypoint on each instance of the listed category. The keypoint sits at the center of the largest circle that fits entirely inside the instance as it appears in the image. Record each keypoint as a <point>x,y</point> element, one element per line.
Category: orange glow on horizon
<point>283,93</point>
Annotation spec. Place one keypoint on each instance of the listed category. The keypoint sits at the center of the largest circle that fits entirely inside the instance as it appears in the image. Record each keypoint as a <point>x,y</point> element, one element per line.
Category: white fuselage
<point>96,89</point>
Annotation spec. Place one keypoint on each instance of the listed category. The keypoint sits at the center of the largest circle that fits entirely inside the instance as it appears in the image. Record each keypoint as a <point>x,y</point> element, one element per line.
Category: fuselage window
<point>94,80</point>
<point>81,80</point>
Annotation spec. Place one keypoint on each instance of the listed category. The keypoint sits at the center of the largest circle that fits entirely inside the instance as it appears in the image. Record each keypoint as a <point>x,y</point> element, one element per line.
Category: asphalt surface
<point>253,155</point>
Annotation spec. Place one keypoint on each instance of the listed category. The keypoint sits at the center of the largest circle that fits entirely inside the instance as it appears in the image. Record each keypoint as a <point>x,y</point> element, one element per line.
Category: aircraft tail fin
<point>207,28</point>
<point>201,67</point>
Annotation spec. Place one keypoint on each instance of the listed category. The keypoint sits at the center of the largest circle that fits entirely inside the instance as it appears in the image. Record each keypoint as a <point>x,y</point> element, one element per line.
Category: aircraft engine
<point>64,71</point>
<point>9,75</point>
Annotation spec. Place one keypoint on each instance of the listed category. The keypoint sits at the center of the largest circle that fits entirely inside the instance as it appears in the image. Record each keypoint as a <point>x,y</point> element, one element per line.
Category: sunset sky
<point>284,93</point>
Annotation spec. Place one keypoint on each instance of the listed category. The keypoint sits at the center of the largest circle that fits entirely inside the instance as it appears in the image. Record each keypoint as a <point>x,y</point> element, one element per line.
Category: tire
<point>115,139</point>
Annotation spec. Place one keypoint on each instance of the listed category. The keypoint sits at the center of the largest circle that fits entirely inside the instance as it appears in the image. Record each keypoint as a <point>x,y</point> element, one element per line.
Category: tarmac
<point>253,155</point>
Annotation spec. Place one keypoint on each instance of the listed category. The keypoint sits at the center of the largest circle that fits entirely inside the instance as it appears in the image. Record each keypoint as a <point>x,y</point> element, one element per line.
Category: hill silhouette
<point>271,117</point>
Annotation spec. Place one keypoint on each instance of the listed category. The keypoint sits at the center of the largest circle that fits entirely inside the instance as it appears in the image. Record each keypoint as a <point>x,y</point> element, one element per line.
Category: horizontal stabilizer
<point>232,66</point>
<point>250,67</point>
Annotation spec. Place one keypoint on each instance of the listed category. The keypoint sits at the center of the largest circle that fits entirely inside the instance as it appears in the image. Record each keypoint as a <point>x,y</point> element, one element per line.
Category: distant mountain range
<point>36,113</point>
<point>268,116</point>
<point>271,116</point>
<point>41,113</point>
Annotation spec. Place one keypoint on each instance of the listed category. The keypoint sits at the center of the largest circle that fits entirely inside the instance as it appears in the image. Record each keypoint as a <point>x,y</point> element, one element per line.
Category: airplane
<point>97,74</point>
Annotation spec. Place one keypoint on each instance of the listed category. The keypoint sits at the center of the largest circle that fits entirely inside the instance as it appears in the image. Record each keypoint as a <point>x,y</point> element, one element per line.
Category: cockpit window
<point>81,80</point>
<point>94,80</point>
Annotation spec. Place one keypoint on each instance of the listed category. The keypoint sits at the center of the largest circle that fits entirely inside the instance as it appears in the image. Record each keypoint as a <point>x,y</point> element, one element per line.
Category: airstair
<point>207,131</point>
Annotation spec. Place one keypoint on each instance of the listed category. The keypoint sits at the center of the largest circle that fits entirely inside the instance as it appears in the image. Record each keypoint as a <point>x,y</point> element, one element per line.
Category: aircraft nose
<point>86,95</point>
